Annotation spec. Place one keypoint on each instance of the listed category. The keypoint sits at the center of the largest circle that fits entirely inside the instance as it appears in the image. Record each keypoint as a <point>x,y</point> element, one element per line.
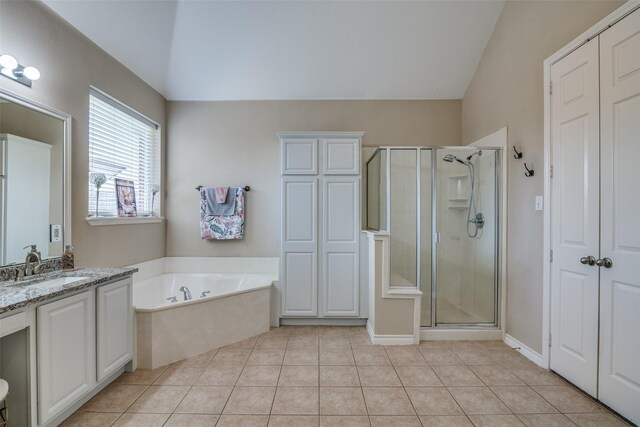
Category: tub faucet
<point>187,293</point>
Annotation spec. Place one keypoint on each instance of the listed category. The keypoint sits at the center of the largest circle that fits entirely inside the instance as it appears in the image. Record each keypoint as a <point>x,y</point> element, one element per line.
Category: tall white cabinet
<point>595,205</point>
<point>319,266</point>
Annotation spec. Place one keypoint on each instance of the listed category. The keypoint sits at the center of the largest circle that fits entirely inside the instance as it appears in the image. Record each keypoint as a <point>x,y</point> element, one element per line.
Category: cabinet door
<point>619,382</point>
<point>340,230</point>
<point>341,156</point>
<point>114,326</point>
<point>299,262</point>
<point>299,156</point>
<point>575,216</point>
<point>66,353</point>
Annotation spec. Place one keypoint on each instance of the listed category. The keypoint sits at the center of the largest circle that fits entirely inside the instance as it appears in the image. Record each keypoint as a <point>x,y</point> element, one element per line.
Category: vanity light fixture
<point>10,68</point>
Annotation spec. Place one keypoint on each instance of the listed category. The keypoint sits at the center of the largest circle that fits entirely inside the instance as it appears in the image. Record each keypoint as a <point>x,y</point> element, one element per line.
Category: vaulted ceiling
<point>241,50</point>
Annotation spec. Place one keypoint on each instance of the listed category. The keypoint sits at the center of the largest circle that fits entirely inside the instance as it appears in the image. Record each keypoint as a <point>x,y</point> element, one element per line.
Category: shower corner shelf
<point>457,192</point>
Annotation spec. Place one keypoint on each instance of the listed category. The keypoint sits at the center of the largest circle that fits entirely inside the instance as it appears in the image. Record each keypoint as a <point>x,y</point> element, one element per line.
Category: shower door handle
<point>589,260</point>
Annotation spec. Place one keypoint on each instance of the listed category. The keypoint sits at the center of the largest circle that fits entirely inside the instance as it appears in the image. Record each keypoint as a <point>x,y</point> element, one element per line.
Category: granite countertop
<point>14,295</point>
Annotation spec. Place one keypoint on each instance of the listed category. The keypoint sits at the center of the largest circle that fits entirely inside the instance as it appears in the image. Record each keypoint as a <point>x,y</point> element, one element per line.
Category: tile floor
<point>334,376</point>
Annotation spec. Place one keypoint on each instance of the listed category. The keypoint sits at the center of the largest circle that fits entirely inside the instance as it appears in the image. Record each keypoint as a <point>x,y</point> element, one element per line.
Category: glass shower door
<point>467,227</point>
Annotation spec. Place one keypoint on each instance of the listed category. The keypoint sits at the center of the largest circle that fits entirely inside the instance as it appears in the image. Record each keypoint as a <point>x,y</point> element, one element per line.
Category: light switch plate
<point>539,203</point>
<point>56,233</point>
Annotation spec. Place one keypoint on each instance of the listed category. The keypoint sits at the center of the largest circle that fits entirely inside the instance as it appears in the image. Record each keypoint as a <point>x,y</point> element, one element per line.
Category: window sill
<point>107,220</point>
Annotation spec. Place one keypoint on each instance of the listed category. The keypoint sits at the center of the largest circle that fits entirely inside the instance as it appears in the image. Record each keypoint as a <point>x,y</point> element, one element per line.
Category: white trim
<point>459,334</point>
<point>105,220</point>
<point>319,135</point>
<point>523,349</point>
<point>389,339</point>
<point>598,28</point>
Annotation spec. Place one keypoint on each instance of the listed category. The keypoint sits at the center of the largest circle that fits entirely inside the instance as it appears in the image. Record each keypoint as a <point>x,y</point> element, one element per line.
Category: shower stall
<point>440,207</point>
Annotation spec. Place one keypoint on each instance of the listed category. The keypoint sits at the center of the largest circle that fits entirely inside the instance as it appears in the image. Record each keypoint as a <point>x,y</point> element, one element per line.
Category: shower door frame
<point>435,235</point>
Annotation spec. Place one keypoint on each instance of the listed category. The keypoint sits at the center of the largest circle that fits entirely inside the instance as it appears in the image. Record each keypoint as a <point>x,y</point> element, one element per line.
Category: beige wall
<point>235,143</point>
<point>69,63</point>
<point>507,91</point>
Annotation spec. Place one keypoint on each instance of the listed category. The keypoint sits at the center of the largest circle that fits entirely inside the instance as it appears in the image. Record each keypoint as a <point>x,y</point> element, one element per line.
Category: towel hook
<point>518,154</point>
<point>529,172</point>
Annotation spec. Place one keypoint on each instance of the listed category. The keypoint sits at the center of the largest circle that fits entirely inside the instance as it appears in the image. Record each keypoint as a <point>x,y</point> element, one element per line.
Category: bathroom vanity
<point>63,337</point>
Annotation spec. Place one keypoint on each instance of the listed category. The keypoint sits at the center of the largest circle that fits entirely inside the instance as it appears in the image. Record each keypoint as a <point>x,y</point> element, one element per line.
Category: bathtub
<point>163,292</point>
<point>225,307</point>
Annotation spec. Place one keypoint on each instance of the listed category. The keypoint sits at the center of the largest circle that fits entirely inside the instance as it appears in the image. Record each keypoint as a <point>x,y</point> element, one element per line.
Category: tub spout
<point>187,293</point>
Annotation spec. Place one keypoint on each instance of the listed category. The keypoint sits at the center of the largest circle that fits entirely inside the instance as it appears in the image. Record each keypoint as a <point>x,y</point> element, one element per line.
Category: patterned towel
<point>217,227</point>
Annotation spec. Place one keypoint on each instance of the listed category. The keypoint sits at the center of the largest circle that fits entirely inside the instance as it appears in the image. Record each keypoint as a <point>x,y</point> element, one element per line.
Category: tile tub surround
<point>15,295</point>
<point>254,382</point>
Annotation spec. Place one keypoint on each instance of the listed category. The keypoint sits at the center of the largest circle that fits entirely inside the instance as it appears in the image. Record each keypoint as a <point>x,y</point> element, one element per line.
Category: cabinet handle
<point>588,260</point>
<point>604,262</point>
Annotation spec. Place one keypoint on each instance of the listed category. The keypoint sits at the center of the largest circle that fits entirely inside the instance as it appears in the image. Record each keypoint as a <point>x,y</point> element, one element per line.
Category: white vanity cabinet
<point>66,336</point>
<point>83,340</point>
<point>319,262</point>
<point>114,325</point>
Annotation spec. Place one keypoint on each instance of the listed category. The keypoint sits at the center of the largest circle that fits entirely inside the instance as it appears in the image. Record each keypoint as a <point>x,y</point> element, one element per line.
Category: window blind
<point>122,144</point>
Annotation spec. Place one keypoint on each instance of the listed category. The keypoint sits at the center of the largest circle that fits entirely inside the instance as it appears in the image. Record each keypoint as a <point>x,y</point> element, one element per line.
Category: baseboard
<point>322,321</point>
<point>388,339</point>
<point>444,334</point>
<point>523,349</point>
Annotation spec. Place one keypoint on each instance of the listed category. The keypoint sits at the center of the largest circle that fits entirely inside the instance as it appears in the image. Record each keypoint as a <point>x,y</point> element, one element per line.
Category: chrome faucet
<point>32,255</point>
<point>187,293</point>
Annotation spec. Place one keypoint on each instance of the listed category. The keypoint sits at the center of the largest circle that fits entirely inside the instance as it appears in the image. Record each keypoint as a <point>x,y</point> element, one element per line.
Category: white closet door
<point>575,216</point>
<point>299,262</point>
<point>340,229</point>
<point>620,238</point>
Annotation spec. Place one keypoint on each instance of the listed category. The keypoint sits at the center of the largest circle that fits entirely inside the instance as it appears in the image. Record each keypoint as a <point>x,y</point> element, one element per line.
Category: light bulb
<point>8,62</point>
<point>31,73</point>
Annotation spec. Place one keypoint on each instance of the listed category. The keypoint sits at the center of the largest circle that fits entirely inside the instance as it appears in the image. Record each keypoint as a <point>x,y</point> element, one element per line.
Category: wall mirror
<point>34,179</point>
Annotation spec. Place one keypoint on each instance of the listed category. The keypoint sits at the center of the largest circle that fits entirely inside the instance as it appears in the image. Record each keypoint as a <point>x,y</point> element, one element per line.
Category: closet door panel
<point>620,232</point>
<point>575,216</point>
<point>341,156</point>
<point>340,230</point>
<point>299,268</point>
<point>299,156</point>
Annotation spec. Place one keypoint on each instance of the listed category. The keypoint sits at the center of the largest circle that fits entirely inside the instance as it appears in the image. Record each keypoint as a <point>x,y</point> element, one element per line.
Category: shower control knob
<point>588,260</point>
<point>604,262</point>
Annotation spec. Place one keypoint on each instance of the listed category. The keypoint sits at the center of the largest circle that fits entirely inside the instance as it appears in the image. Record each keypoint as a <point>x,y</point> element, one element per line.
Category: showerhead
<point>450,158</point>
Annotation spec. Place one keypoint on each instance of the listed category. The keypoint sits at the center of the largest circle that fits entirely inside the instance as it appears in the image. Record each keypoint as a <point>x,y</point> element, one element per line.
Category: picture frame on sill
<point>126,198</point>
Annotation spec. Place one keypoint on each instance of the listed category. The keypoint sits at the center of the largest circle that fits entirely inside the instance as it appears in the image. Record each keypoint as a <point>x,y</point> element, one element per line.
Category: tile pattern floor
<point>334,376</point>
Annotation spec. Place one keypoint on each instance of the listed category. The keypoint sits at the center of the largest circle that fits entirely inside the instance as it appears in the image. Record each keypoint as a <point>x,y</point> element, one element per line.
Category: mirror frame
<point>66,154</point>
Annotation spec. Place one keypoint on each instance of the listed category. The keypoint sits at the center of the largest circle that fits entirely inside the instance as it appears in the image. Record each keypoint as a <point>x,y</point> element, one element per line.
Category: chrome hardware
<point>204,294</point>
<point>19,273</point>
<point>186,292</point>
<point>172,299</point>
<point>588,260</point>
<point>604,262</point>
<point>478,220</point>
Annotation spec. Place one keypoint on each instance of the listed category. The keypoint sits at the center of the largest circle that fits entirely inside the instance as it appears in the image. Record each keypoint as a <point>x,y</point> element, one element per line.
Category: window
<point>122,144</point>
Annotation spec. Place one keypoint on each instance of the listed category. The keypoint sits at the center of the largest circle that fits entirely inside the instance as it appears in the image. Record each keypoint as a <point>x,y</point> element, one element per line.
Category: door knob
<point>588,260</point>
<point>604,262</point>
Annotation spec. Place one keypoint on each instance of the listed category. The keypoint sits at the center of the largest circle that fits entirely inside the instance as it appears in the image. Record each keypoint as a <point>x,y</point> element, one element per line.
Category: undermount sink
<point>60,281</point>
<point>54,283</point>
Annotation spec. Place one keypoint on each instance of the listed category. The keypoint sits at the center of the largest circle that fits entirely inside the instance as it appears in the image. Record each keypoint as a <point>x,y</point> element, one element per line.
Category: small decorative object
<point>126,195</point>
<point>155,189</point>
<point>68,258</point>
<point>97,179</point>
